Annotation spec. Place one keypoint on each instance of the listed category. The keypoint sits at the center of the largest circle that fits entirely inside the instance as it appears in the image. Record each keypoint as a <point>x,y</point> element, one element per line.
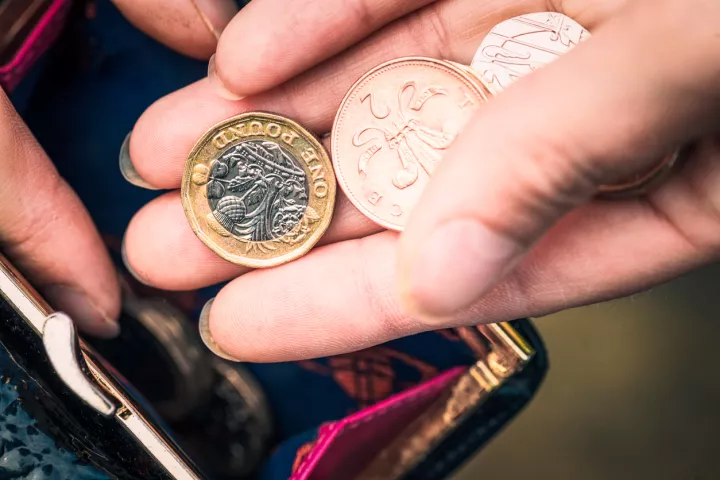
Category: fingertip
<point>166,132</point>
<point>216,14</point>
<point>207,336</point>
<point>94,316</point>
<point>218,84</point>
<point>129,266</point>
<point>161,250</point>
<point>127,168</point>
<point>236,76</point>
<point>240,331</point>
<point>259,49</point>
<point>411,306</point>
<point>190,27</point>
<point>148,147</point>
<point>134,255</point>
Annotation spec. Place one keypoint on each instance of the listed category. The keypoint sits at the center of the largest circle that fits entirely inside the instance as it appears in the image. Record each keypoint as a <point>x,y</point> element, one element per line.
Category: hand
<point>47,233</point>
<point>44,229</point>
<point>508,226</point>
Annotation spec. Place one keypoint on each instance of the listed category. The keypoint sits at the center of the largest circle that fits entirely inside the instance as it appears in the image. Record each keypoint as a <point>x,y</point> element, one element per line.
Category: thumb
<point>545,145</point>
<point>49,236</point>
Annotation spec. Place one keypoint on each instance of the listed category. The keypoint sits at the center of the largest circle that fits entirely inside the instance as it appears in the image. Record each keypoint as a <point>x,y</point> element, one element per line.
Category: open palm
<point>523,236</point>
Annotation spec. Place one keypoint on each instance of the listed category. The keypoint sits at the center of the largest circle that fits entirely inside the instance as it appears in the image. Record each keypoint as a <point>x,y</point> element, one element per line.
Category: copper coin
<point>474,74</point>
<point>392,129</point>
<point>523,44</point>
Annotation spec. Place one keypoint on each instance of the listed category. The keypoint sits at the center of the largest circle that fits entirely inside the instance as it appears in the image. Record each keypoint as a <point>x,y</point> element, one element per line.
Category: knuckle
<point>555,5</point>
<point>553,169</point>
<point>430,19</point>
<point>549,177</point>
<point>695,188</point>
<point>590,14</point>
<point>32,226</point>
<point>380,304</point>
<point>27,220</point>
<point>365,285</point>
<point>362,11</point>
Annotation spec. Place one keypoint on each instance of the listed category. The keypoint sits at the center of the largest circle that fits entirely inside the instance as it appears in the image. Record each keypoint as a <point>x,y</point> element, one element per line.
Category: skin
<point>520,235</point>
<point>34,228</point>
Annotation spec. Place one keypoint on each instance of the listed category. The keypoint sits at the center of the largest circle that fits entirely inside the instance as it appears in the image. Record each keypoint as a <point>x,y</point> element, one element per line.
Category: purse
<point>56,389</point>
<point>63,414</point>
<point>413,408</point>
<point>27,29</point>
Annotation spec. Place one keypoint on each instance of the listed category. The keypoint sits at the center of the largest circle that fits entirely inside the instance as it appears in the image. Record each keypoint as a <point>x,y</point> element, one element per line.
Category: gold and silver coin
<point>259,190</point>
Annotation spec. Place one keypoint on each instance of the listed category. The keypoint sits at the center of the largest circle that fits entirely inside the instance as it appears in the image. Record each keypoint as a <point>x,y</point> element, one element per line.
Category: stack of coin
<point>259,189</point>
<point>396,121</point>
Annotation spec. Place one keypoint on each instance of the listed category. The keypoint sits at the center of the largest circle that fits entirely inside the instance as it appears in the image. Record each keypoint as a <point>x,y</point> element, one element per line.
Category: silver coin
<point>523,44</point>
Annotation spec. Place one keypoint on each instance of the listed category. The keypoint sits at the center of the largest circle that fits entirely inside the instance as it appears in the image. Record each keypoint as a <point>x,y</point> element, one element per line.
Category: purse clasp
<point>61,343</point>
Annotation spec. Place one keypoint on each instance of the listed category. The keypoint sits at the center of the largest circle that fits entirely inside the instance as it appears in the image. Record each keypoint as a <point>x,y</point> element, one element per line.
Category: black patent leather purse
<point>65,413</point>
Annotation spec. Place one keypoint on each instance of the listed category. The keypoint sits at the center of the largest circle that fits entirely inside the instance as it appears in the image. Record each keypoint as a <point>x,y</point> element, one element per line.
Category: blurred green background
<point>633,392</point>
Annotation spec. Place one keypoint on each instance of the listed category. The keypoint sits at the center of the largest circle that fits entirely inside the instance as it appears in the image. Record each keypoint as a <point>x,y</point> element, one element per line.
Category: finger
<point>280,40</point>
<point>167,131</point>
<point>161,250</point>
<point>513,176</point>
<point>191,27</point>
<point>47,234</point>
<point>343,297</point>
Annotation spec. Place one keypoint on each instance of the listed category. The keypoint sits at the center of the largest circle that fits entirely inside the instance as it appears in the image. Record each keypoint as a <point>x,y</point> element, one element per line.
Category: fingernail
<point>128,169</point>
<point>87,315</point>
<point>215,14</point>
<point>218,84</point>
<point>129,268</point>
<point>458,263</point>
<point>207,338</point>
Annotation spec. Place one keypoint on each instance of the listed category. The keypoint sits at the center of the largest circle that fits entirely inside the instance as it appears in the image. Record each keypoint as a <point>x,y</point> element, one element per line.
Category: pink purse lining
<point>330,436</point>
<point>36,44</point>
